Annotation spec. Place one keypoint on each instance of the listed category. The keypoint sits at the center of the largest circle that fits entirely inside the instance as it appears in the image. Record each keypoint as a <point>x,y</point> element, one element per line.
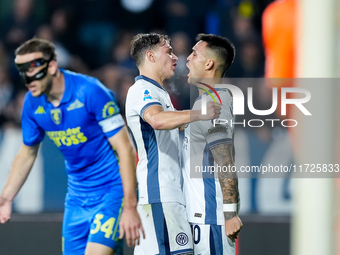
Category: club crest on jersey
<point>147,95</point>
<point>56,116</point>
<point>110,109</point>
<point>182,239</point>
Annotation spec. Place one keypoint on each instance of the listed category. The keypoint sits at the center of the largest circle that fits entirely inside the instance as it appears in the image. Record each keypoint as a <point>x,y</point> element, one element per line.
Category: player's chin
<point>36,93</point>
<point>171,74</point>
<point>189,79</point>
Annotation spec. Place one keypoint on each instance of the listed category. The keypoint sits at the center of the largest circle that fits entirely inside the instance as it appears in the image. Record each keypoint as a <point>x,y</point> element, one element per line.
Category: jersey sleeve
<point>219,131</point>
<point>32,133</point>
<point>102,105</point>
<point>144,97</point>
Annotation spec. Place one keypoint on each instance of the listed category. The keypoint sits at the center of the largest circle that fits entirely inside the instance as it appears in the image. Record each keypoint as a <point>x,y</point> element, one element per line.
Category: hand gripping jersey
<point>158,169</point>
<point>80,126</point>
<point>203,195</point>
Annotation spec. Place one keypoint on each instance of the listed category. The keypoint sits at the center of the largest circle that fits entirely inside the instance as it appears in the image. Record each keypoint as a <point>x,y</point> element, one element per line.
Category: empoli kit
<point>80,127</point>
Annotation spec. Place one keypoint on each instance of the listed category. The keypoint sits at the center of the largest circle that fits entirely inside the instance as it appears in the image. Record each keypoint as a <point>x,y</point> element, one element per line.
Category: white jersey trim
<point>147,106</point>
<point>112,123</point>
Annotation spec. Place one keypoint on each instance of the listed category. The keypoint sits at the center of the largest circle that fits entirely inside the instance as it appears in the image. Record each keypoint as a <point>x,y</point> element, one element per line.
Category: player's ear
<point>210,64</point>
<point>53,67</point>
<point>151,56</point>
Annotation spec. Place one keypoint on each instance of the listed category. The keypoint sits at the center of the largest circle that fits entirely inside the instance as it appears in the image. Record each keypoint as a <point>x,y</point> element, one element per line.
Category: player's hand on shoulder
<point>5,210</point>
<point>213,111</point>
<point>131,226</point>
<point>233,227</point>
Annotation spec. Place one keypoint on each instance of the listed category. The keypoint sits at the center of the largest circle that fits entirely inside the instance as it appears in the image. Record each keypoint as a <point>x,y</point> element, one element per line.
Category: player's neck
<point>55,95</point>
<point>211,81</point>
<point>153,76</point>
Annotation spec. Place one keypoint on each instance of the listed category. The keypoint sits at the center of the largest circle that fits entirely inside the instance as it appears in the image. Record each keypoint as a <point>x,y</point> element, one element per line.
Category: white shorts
<point>211,240</point>
<point>167,230</point>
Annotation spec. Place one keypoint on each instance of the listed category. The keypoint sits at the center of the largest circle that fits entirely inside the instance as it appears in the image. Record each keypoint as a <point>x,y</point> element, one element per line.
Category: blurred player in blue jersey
<point>154,125</point>
<point>82,118</point>
<point>211,203</point>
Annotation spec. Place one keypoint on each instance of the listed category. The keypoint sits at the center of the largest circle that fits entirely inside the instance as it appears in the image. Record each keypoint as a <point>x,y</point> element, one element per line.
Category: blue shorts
<point>94,219</point>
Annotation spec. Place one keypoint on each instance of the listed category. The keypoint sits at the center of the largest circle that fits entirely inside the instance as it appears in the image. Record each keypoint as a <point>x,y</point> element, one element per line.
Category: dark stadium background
<point>93,37</point>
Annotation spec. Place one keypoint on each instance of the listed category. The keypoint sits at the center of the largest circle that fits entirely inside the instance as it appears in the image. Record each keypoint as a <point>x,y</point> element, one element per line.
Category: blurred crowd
<point>93,37</point>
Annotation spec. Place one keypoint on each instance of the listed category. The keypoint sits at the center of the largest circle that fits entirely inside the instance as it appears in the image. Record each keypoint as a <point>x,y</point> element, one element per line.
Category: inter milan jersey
<point>158,169</point>
<point>80,127</point>
<point>203,194</point>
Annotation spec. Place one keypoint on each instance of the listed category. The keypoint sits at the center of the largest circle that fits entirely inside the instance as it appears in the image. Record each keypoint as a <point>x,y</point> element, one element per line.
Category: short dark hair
<point>141,43</point>
<point>37,45</point>
<point>223,48</point>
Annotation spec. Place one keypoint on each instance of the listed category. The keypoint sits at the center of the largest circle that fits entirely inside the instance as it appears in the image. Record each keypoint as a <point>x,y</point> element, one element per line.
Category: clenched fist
<point>233,227</point>
<point>213,111</point>
<point>5,210</point>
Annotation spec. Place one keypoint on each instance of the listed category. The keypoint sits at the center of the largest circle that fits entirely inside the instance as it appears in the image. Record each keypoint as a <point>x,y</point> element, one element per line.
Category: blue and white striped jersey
<point>202,190</point>
<point>158,169</point>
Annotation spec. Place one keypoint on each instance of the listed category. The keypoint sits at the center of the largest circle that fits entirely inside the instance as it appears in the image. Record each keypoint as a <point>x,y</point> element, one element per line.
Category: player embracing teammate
<point>86,128</point>
<point>154,125</point>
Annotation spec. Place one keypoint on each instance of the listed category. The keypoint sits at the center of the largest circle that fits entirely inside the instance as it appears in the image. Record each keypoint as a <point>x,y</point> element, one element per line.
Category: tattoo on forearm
<point>229,215</point>
<point>224,156</point>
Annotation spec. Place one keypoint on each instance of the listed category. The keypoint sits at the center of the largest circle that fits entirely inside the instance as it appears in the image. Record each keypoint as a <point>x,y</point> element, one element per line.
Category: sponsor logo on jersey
<point>40,110</point>
<point>110,109</point>
<point>56,116</point>
<point>182,239</point>
<point>147,95</point>
<point>75,105</point>
<point>217,129</point>
<point>71,136</point>
<point>198,215</point>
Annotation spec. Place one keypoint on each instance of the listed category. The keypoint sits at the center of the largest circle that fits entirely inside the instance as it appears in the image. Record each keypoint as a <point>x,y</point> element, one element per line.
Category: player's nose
<point>190,56</point>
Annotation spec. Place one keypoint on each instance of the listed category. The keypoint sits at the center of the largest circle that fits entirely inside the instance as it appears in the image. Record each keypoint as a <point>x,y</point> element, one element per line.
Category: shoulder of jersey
<point>141,82</point>
<point>82,77</point>
<point>134,87</point>
<point>224,93</point>
<point>141,85</point>
<point>91,84</point>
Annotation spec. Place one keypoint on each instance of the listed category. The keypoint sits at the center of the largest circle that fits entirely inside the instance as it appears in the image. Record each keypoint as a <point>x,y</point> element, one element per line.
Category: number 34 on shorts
<point>106,226</point>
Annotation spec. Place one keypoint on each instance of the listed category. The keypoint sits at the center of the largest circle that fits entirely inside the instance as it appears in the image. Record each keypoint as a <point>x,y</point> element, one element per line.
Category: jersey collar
<point>142,77</point>
<point>67,93</point>
<point>217,89</point>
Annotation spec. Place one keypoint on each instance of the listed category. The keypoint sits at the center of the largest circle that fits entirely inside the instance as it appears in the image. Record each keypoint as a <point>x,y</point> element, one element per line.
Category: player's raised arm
<point>20,169</point>
<point>130,222</point>
<point>165,120</point>
<point>224,156</point>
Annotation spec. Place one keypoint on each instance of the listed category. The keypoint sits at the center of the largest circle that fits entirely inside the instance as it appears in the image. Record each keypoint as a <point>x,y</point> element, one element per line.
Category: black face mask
<point>24,67</point>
